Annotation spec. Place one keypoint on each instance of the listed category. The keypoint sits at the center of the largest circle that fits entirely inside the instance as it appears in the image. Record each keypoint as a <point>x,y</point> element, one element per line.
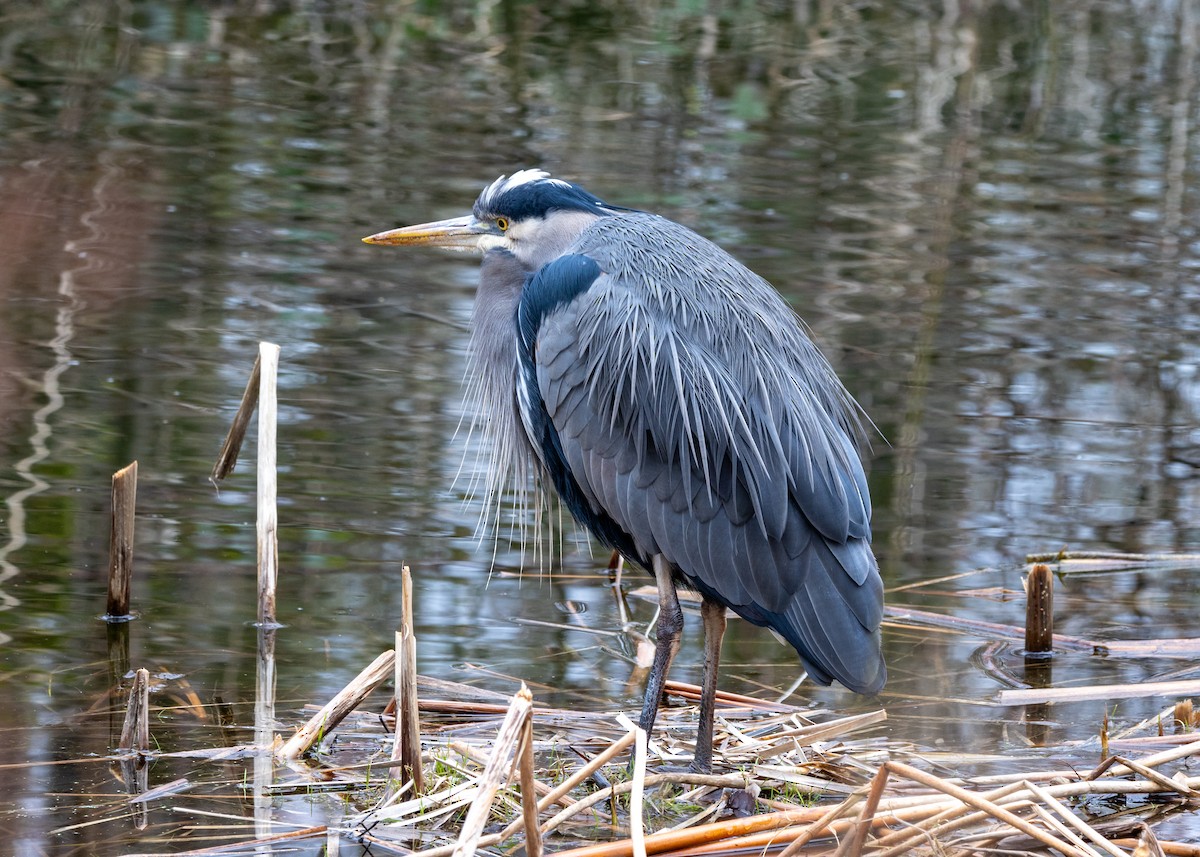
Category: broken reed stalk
<point>1032,695</point>
<point>637,795</point>
<point>676,840</point>
<point>1118,556</point>
<point>637,786</point>
<point>135,733</point>
<point>1039,610</point>
<point>407,745</point>
<point>693,692</point>
<point>335,711</point>
<point>529,801</point>
<point>268,514</point>
<point>1172,849</point>
<point>120,543</point>
<point>494,773</point>
<point>228,456</point>
<point>853,844</point>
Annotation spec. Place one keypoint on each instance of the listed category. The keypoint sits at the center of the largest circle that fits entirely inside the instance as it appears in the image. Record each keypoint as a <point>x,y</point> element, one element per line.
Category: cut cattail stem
<point>1039,610</point>
<point>120,550</point>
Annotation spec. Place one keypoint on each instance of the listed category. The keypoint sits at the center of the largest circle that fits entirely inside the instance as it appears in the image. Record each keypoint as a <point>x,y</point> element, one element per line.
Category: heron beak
<point>457,233</point>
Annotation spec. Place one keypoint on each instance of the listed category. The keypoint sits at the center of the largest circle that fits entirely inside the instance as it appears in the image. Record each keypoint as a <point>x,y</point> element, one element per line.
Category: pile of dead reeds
<point>504,775</point>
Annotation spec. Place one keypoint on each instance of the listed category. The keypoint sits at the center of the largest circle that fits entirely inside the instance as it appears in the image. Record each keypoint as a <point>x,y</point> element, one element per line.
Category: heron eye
<point>502,224</point>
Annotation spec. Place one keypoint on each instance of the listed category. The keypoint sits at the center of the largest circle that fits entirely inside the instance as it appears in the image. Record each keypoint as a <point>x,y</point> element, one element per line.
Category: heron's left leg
<point>670,625</point>
<point>713,615</point>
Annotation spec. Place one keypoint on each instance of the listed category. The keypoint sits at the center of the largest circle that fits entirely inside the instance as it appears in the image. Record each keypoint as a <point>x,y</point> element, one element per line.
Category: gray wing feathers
<point>714,432</point>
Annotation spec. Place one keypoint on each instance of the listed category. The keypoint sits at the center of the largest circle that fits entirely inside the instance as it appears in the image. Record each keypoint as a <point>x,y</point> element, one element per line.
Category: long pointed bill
<point>457,233</point>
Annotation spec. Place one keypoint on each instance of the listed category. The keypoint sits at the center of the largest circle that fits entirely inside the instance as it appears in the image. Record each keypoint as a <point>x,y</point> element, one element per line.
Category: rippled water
<point>987,214</point>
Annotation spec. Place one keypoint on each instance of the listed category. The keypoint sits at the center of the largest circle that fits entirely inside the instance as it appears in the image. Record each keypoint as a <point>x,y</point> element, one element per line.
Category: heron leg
<point>670,625</point>
<point>713,615</point>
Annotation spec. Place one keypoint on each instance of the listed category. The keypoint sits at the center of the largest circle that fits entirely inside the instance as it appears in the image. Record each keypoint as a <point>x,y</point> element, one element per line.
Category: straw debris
<point>505,772</point>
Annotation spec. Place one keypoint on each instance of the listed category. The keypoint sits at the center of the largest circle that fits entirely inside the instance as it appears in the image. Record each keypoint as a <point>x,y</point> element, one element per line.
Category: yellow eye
<point>502,224</point>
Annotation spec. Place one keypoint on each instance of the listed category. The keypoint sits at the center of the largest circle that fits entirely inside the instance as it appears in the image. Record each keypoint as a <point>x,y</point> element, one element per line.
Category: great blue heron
<point>684,416</point>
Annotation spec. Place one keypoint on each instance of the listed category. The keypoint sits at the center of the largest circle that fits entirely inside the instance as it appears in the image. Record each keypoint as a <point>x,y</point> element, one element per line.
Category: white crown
<point>504,184</point>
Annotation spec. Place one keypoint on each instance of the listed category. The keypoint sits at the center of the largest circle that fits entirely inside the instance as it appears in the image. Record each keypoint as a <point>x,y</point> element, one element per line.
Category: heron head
<point>529,214</point>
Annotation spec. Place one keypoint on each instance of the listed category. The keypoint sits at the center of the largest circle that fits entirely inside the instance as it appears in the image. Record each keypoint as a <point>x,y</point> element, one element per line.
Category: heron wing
<point>711,431</point>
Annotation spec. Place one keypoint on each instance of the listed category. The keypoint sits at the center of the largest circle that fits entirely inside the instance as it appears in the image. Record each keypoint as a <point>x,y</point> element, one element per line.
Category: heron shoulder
<point>687,276</point>
<point>674,279</point>
<point>549,288</point>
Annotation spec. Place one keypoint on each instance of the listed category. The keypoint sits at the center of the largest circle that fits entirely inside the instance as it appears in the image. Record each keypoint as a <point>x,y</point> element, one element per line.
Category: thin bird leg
<point>670,624</point>
<point>713,615</point>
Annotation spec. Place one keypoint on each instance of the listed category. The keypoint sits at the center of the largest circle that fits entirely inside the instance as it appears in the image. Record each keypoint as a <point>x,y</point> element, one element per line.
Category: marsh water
<point>986,212</point>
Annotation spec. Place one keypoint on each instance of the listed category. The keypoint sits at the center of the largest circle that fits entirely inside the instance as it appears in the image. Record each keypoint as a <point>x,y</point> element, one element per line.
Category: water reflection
<point>982,211</point>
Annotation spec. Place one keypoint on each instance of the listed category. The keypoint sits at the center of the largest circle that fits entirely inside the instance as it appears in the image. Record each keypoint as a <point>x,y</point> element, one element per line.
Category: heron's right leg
<point>670,625</point>
<point>714,631</point>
